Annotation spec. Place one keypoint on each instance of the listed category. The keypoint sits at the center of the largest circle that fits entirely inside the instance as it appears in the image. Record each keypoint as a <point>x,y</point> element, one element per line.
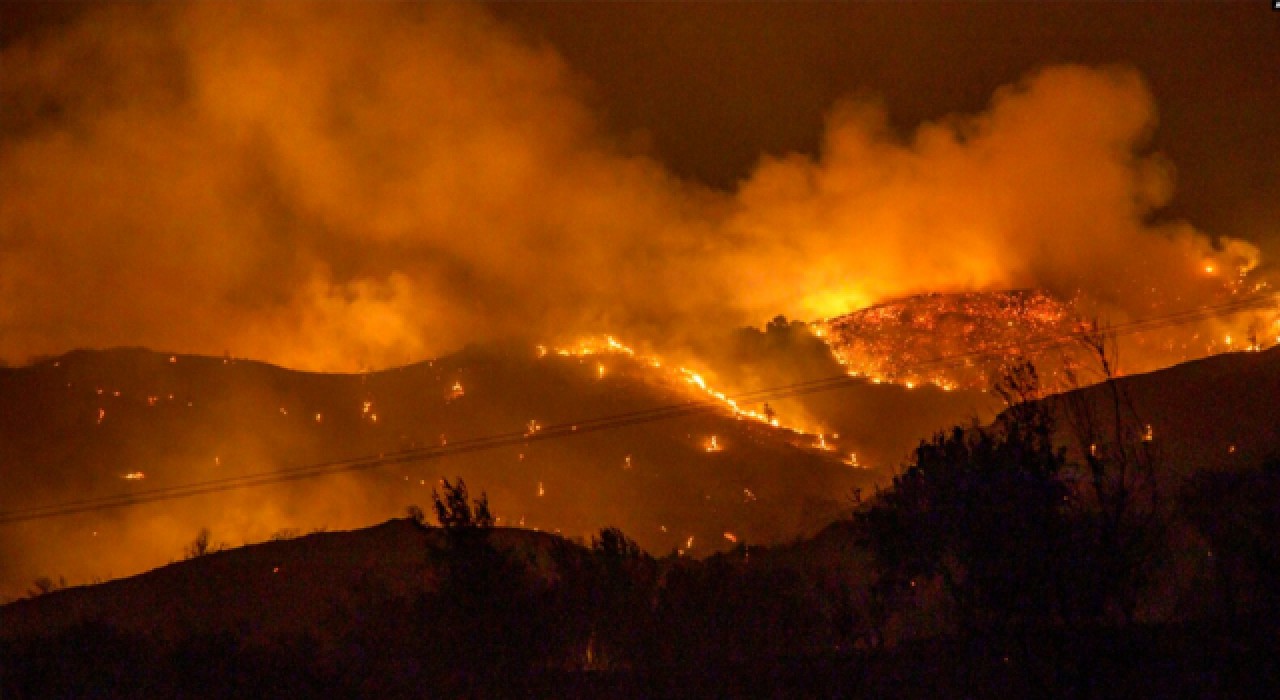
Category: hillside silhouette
<point>74,427</point>
<point>859,609</point>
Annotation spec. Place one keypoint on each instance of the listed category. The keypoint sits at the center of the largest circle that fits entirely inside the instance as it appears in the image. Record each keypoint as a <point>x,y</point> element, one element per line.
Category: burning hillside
<point>902,340</point>
<point>93,427</point>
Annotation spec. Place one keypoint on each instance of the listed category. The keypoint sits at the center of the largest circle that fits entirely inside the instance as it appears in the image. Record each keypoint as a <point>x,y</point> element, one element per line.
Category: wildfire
<point>901,341</point>
<point>713,446</point>
<point>609,344</point>
<point>889,342</point>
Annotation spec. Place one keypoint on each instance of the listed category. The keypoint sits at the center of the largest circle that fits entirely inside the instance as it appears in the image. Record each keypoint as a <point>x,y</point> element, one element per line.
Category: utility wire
<point>611,422</point>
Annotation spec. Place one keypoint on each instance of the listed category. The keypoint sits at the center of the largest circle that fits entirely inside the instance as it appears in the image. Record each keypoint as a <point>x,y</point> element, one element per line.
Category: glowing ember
<point>134,476</point>
<point>731,537</point>
<point>713,446</point>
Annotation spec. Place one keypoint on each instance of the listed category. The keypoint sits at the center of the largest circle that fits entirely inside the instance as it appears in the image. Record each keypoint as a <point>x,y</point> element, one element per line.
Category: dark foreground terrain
<point>406,610</point>
<point>469,613</point>
<point>1122,541</point>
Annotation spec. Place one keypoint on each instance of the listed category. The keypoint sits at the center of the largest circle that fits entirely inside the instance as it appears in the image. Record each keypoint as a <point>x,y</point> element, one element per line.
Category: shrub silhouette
<point>1238,515</point>
<point>983,512</point>
<point>202,545</point>
<point>455,512</point>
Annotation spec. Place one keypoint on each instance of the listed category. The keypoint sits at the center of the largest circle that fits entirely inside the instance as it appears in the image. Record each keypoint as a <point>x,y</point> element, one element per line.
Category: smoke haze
<point>334,187</point>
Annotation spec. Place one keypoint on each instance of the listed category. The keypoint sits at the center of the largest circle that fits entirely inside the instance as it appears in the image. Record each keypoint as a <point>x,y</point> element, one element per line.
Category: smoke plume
<point>337,187</point>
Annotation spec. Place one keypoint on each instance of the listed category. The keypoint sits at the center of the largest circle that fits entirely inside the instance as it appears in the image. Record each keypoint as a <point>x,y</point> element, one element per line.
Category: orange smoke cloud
<point>1048,188</point>
<point>333,187</point>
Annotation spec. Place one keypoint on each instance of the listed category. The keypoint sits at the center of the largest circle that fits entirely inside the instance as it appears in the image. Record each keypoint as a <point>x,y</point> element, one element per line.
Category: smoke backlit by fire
<point>338,187</point>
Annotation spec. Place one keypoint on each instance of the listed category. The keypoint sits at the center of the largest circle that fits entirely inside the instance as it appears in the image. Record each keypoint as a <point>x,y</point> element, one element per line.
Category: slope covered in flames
<point>963,340</point>
<point>904,339</point>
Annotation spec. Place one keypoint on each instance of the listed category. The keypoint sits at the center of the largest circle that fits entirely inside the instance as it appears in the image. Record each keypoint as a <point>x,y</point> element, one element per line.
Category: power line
<point>561,430</point>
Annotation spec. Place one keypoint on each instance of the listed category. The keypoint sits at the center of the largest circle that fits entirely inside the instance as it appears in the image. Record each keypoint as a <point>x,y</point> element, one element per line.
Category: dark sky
<point>716,84</point>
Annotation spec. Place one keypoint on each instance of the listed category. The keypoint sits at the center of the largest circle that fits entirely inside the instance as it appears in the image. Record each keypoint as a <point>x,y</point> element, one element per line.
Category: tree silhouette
<point>1118,531</point>
<point>483,622</point>
<point>454,511</point>
<point>983,512</point>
